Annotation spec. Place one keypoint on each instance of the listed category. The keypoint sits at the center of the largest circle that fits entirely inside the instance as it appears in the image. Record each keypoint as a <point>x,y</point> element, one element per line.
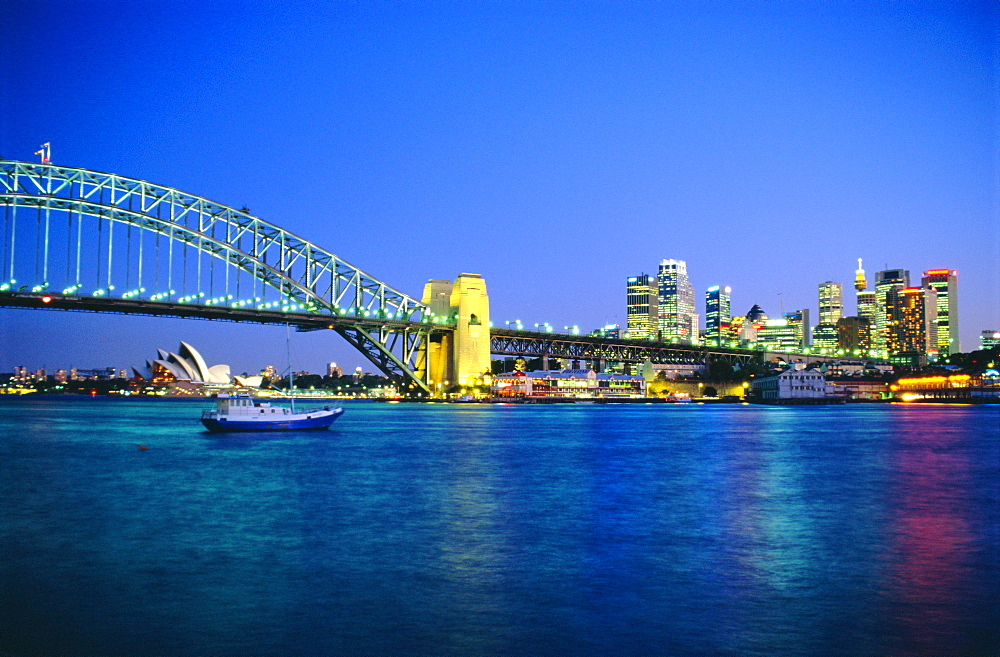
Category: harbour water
<point>433,529</point>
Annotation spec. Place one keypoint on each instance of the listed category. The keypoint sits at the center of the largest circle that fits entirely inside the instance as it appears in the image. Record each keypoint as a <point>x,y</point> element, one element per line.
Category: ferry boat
<point>247,413</point>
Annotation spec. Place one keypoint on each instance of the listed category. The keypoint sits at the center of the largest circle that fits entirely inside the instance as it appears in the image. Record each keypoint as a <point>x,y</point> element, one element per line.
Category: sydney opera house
<point>187,366</point>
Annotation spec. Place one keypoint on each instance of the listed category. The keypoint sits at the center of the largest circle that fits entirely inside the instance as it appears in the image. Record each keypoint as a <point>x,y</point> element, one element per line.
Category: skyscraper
<point>854,334</point>
<point>780,335</point>
<point>945,283</point>
<point>641,300</point>
<point>831,302</point>
<point>910,320</point>
<point>677,318</point>
<point>799,320</point>
<point>866,306</point>
<point>825,337</point>
<point>718,315</point>
<point>886,281</point>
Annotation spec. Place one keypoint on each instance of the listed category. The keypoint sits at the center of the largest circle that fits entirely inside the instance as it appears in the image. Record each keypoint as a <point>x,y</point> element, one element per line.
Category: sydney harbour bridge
<point>76,239</point>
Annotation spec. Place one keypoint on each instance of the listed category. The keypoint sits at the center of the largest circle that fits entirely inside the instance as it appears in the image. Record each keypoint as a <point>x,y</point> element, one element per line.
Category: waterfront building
<point>831,302</point>
<point>790,384</point>
<point>718,315</point>
<point>945,283</point>
<point>869,388</point>
<point>677,319</point>
<point>910,320</point>
<point>642,302</point>
<point>989,339</point>
<point>885,282</point>
<point>954,387</point>
<point>334,370</point>
<point>854,334</point>
<point>60,376</point>
<point>568,384</point>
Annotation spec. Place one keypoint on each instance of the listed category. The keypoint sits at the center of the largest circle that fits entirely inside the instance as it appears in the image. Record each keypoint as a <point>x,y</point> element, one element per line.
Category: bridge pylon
<point>460,357</point>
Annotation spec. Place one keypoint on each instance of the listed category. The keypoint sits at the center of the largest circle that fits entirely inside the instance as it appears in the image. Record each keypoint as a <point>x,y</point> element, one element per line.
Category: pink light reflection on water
<point>929,579</point>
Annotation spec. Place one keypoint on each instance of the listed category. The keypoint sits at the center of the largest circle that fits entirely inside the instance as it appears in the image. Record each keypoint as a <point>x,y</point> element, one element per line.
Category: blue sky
<point>555,148</point>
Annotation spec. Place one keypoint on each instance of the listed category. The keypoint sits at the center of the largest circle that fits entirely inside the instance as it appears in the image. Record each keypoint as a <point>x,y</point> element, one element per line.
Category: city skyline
<point>768,146</point>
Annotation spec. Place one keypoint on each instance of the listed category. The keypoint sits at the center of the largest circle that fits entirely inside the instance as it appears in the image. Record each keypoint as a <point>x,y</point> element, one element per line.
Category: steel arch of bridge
<point>96,241</point>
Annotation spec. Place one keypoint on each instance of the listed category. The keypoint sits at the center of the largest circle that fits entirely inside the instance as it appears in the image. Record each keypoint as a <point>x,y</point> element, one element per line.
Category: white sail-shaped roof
<point>179,372</point>
<point>192,372</point>
<point>188,365</point>
<point>191,355</point>
<point>218,374</point>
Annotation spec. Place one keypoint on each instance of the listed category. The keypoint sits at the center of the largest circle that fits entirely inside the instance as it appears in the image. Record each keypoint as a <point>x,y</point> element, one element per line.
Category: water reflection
<point>434,529</point>
<point>929,580</point>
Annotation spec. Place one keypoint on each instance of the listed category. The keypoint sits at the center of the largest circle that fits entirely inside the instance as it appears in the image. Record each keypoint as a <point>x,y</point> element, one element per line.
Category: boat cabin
<point>246,405</point>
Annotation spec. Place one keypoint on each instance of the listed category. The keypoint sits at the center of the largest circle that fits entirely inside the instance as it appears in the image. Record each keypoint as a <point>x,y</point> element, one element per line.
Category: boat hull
<point>312,421</point>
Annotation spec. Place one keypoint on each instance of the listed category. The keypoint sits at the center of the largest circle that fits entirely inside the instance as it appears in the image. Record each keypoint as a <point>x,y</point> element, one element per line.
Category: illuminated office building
<point>736,325</point>
<point>831,302</point>
<point>756,315</point>
<point>718,316</point>
<point>752,323</point>
<point>885,282</point>
<point>945,283</point>
<point>866,306</point>
<point>677,319</point>
<point>779,335</point>
<point>854,334</point>
<point>910,320</point>
<point>865,311</point>
<point>989,339</point>
<point>799,320</point>
<point>641,300</point>
<point>825,337</point>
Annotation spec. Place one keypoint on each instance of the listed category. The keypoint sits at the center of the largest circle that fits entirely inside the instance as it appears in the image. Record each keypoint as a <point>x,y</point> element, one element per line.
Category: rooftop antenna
<point>45,152</point>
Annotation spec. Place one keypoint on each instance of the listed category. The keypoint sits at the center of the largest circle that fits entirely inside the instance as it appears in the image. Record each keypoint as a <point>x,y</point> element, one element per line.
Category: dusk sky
<point>554,148</point>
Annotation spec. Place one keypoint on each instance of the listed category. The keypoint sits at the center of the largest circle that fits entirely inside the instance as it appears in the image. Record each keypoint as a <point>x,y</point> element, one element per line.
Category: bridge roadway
<point>389,344</point>
<point>301,321</point>
<point>362,332</point>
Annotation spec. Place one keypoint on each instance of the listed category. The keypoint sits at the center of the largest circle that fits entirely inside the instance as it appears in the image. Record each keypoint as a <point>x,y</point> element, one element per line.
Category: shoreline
<point>984,401</point>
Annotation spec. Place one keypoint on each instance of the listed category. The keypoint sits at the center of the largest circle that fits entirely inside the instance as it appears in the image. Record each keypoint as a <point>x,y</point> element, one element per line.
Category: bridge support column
<point>463,357</point>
